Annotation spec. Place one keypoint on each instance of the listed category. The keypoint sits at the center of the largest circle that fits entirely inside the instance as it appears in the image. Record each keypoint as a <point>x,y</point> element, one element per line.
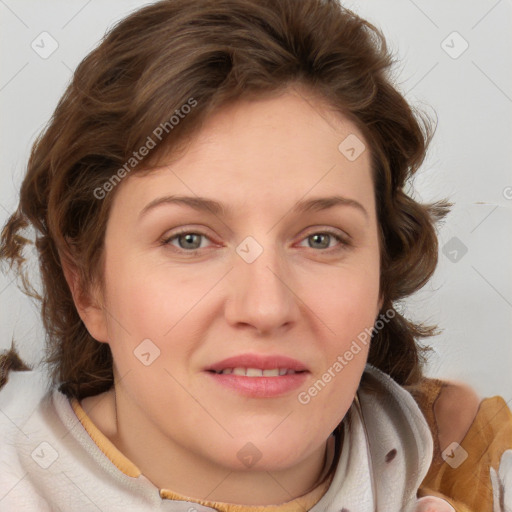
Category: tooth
<point>257,372</point>
<point>254,372</point>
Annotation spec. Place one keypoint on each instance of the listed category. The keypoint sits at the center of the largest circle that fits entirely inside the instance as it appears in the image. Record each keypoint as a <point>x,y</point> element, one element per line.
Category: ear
<point>88,303</point>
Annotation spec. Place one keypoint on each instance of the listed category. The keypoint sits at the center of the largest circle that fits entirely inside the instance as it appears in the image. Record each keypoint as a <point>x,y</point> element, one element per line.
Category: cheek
<point>353,294</point>
<point>149,299</point>
<point>346,297</point>
<point>134,310</point>
<point>160,303</point>
<point>347,307</point>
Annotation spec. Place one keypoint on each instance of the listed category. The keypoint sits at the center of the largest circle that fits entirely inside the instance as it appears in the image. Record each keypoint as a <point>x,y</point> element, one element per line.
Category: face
<point>271,274</point>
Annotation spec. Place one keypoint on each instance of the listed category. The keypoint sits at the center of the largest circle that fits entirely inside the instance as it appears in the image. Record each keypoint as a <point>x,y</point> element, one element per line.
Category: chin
<point>256,451</point>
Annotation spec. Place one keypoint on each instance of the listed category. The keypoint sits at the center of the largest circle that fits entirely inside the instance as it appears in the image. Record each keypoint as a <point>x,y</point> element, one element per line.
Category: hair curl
<point>216,51</point>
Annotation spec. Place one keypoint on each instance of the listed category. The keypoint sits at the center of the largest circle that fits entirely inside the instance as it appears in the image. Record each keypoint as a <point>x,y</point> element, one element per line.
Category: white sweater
<point>48,461</point>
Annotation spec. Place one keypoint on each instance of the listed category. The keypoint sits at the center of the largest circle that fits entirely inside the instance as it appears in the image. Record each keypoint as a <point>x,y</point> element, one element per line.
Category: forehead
<point>257,153</point>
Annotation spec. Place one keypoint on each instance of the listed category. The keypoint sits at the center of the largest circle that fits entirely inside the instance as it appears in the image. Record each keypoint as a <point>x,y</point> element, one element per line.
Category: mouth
<point>256,372</point>
<point>259,376</point>
<point>258,365</point>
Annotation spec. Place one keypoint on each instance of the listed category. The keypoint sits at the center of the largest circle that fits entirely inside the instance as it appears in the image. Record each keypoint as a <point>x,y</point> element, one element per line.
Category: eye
<point>187,241</point>
<point>190,242</point>
<point>323,239</point>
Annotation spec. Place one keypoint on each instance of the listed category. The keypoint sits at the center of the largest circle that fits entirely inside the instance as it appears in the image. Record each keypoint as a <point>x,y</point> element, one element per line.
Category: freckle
<point>391,455</point>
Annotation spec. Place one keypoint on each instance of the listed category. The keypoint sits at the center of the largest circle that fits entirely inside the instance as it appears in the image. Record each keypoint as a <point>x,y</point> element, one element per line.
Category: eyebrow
<point>209,205</point>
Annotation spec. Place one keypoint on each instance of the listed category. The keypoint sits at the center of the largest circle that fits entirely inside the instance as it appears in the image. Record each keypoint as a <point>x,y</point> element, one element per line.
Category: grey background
<point>470,296</point>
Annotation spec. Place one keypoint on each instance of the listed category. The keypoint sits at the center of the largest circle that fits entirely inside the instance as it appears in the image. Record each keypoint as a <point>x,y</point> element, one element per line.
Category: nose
<point>261,294</point>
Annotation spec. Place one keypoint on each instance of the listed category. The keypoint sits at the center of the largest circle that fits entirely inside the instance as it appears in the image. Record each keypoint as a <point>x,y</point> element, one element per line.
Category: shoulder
<point>21,394</point>
<point>481,473</point>
<point>450,407</point>
<point>459,410</point>
<point>19,399</point>
<point>455,410</point>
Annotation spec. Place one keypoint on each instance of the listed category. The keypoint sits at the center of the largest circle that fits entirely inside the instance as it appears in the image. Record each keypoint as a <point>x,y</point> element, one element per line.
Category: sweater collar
<point>389,442</point>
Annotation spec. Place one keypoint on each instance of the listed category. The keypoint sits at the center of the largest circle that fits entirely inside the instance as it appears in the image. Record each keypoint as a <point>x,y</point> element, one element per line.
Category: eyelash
<point>344,242</point>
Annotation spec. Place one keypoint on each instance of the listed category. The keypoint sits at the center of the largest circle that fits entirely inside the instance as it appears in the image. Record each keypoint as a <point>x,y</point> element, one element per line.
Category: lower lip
<point>260,387</point>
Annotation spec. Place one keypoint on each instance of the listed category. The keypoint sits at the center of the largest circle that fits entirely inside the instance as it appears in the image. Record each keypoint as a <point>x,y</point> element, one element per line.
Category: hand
<point>431,504</point>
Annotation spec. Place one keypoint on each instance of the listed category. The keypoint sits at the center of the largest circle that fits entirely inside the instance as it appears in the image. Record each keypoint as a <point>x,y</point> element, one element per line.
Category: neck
<point>169,465</point>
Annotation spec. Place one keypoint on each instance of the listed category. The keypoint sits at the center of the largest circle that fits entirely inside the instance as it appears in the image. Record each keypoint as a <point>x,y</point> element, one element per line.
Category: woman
<point>223,230</point>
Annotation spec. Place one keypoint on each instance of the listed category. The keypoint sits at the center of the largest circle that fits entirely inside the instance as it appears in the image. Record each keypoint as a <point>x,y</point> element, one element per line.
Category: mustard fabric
<point>104,444</point>
<point>305,502</point>
<point>467,487</point>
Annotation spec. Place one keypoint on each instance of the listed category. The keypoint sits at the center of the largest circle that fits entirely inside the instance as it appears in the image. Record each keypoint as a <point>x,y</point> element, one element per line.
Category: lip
<point>259,387</point>
<point>264,362</point>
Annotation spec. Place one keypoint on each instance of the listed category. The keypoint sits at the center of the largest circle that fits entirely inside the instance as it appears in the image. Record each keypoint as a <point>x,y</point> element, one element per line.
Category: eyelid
<point>328,230</point>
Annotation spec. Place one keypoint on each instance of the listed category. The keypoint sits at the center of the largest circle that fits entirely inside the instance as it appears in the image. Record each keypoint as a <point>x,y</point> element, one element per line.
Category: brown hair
<point>213,52</point>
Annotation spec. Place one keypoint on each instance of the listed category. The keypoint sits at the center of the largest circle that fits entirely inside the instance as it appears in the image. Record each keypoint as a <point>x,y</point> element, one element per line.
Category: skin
<point>304,297</point>
<point>432,504</point>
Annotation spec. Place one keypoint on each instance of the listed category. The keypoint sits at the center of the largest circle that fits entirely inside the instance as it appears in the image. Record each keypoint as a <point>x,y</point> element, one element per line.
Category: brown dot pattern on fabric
<point>391,455</point>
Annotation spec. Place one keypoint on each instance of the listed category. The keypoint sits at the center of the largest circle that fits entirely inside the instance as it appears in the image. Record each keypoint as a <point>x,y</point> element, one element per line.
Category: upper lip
<point>264,362</point>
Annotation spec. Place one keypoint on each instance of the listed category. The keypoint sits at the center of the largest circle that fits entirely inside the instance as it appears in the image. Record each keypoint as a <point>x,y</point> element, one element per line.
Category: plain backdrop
<point>454,61</point>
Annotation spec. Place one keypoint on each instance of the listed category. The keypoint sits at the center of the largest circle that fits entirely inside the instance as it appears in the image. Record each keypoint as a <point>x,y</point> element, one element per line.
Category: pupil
<point>317,238</point>
<point>189,239</point>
